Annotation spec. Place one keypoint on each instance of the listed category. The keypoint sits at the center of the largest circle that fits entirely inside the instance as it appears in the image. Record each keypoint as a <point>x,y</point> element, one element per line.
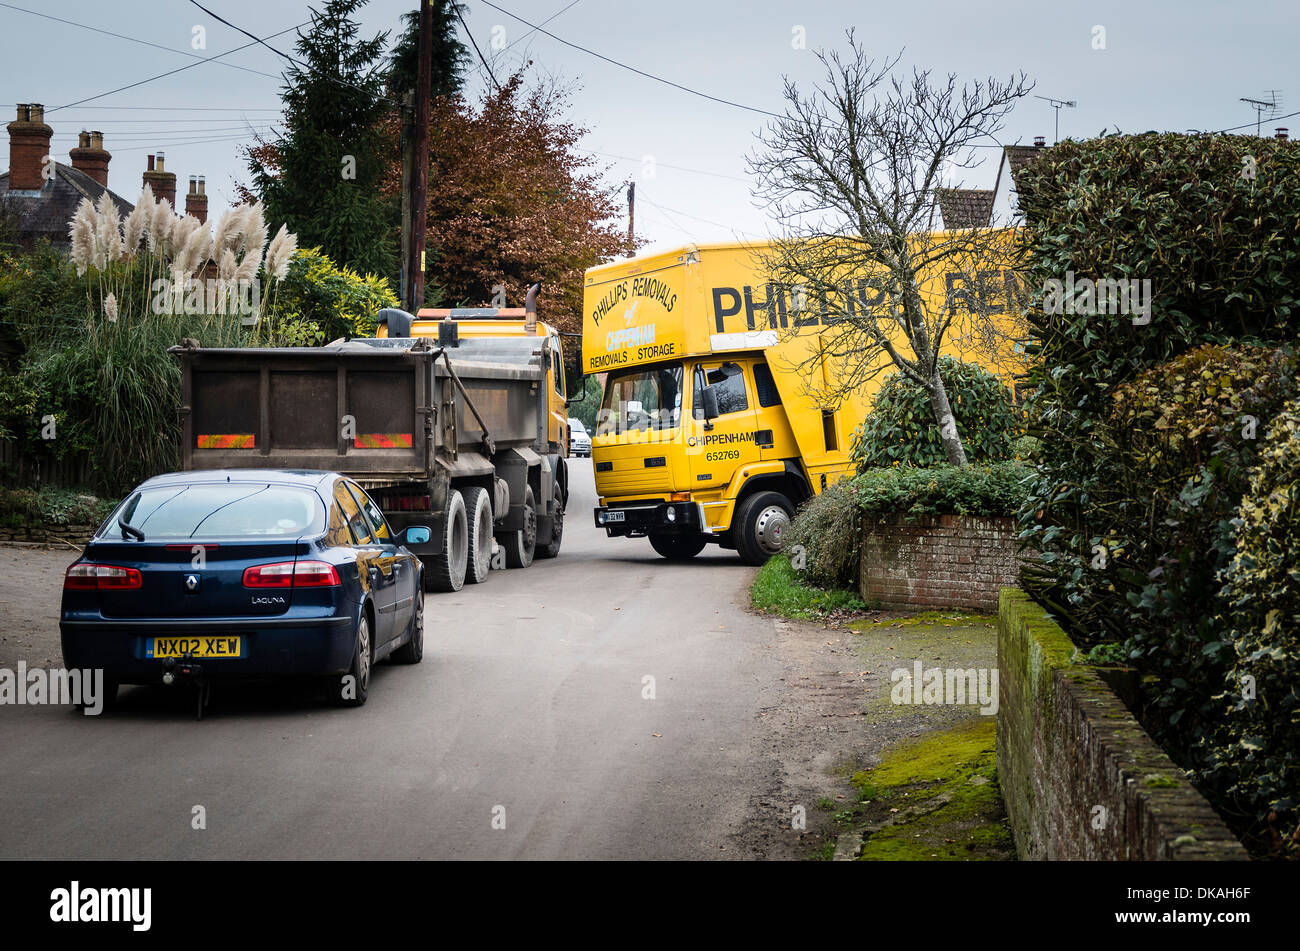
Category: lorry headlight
<point>671,515</point>
<point>600,518</point>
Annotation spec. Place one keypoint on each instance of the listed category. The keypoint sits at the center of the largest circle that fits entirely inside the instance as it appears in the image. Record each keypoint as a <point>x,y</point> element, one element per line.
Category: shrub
<point>829,528</point>
<point>319,301</point>
<point>900,430</point>
<point>996,490</point>
<point>1256,750</point>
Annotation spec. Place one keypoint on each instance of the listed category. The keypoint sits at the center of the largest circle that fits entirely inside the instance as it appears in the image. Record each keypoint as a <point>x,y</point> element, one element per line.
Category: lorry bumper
<point>650,518</point>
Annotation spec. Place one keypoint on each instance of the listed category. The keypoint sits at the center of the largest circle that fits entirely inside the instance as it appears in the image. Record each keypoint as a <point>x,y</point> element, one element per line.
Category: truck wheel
<point>479,509</point>
<point>445,571</point>
<point>557,532</point>
<point>759,526</point>
<point>521,545</point>
<point>678,547</point>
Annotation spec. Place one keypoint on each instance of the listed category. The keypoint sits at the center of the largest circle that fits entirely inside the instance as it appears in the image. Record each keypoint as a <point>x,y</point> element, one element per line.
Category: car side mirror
<point>416,535</point>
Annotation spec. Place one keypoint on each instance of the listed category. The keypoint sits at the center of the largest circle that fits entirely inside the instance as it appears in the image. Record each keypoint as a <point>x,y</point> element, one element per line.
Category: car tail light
<point>88,577</point>
<point>288,574</point>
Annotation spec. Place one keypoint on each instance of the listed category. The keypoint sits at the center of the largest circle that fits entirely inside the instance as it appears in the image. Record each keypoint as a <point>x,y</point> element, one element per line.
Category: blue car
<point>245,574</point>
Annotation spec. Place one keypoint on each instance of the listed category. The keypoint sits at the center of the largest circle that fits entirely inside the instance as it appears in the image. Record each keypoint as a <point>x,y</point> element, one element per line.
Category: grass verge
<point>777,590</point>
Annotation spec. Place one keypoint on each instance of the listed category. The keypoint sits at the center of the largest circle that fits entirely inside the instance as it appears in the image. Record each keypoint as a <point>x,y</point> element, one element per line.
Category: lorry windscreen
<point>647,399</point>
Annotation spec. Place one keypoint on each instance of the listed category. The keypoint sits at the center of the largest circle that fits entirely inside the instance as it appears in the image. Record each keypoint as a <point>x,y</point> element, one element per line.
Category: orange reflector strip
<point>383,441</point>
<point>226,441</point>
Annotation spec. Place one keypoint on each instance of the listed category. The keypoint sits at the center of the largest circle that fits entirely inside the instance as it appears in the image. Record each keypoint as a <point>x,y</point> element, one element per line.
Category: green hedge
<point>997,490</point>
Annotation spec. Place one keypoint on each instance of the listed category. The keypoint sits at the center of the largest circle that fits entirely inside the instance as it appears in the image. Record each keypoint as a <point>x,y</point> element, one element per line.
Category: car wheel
<point>479,558</point>
<point>557,533</point>
<point>352,688</point>
<point>760,524</point>
<point>678,547</point>
<point>413,650</point>
<point>445,571</point>
<point>521,545</point>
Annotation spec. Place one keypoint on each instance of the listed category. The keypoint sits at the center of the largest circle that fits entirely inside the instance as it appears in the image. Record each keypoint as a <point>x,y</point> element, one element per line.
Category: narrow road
<point>527,708</point>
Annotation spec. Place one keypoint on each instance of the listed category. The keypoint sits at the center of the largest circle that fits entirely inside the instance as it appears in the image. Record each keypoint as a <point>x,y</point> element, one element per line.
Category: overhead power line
<point>170,72</point>
<point>474,43</point>
<point>132,39</point>
<point>633,69</point>
<point>543,23</point>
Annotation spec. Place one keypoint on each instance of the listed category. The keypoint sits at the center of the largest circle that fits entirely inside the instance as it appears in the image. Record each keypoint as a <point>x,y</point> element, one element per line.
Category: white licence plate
<point>615,516</point>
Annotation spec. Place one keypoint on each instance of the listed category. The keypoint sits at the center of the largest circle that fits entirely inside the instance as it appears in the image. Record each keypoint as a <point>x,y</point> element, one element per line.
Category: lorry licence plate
<point>612,516</point>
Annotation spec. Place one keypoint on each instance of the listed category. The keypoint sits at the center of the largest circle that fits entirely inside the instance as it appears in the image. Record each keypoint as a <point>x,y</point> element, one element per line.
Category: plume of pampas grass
<point>134,228</point>
<point>229,228</point>
<point>110,307</point>
<point>247,270</point>
<point>255,230</point>
<point>282,249</point>
<point>82,234</point>
<point>193,254</point>
<point>226,267</point>
<point>108,239</point>
<point>160,227</point>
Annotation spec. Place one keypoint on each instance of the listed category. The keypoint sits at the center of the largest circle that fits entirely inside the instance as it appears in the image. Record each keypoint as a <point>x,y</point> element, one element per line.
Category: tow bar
<point>172,669</point>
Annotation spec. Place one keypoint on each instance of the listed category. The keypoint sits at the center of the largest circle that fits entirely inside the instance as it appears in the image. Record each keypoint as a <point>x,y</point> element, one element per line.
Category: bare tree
<point>851,172</point>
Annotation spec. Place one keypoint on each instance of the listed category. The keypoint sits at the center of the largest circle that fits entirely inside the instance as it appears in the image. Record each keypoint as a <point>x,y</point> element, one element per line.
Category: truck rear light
<point>87,577</point>
<point>288,574</point>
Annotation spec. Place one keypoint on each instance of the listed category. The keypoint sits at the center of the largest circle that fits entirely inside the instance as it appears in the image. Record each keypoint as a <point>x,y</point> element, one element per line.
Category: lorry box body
<point>437,434</point>
<point>665,328</point>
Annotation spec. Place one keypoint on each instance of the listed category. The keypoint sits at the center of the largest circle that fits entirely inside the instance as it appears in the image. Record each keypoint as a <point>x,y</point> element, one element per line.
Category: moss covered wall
<point>1080,777</point>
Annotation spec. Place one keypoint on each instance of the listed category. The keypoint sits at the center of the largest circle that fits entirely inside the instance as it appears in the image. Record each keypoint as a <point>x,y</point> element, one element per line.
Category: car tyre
<point>445,571</point>
<point>678,547</point>
<point>353,693</point>
<point>412,652</point>
<point>760,524</point>
<point>478,507</point>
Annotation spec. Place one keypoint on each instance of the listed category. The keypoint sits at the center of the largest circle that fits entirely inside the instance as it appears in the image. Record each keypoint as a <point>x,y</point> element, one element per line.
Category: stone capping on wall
<point>937,561</point>
<point>1080,777</point>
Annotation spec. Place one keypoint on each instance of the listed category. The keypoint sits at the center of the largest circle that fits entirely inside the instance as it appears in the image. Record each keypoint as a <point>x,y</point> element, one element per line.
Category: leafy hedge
<point>997,490</point>
<point>319,301</point>
<point>900,429</point>
<point>52,507</point>
<point>1255,753</point>
<point>1143,457</point>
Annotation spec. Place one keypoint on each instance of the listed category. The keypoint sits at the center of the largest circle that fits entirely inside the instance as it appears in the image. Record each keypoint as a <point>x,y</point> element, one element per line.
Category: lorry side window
<point>768,395</point>
<point>730,382</point>
<point>557,365</point>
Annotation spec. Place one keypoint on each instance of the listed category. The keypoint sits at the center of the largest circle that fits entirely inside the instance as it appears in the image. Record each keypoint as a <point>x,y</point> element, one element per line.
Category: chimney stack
<point>1040,141</point>
<point>29,146</point>
<point>196,200</point>
<point>1280,133</point>
<point>89,156</point>
<point>161,181</point>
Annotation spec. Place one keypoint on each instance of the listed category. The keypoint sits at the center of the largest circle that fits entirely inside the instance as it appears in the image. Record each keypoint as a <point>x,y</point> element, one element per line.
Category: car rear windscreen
<point>226,509</point>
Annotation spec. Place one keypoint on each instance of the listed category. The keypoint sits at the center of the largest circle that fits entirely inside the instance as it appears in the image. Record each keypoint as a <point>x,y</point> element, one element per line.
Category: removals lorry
<point>712,428</point>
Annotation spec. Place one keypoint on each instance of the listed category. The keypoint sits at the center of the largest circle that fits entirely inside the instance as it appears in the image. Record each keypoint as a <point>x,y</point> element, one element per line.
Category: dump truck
<point>448,418</point>
<point>712,428</point>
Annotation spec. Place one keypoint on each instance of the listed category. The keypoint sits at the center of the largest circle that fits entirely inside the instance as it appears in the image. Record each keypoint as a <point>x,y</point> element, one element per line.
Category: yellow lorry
<point>712,427</point>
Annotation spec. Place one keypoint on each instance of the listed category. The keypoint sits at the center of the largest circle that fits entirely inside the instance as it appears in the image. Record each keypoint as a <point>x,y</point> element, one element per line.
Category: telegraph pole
<point>420,163</point>
<point>631,231</point>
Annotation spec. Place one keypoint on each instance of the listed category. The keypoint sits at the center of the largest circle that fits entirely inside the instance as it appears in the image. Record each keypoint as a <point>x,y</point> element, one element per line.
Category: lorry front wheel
<point>479,509</point>
<point>759,526</point>
<point>678,547</point>
<point>521,545</point>
<point>445,571</point>
<point>557,531</point>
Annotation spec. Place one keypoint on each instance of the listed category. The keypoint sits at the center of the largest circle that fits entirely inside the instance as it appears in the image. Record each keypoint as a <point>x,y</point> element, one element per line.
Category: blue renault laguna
<point>245,574</point>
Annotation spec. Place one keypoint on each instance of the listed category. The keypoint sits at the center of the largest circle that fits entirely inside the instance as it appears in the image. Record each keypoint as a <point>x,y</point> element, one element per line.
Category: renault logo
<point>191,583</point>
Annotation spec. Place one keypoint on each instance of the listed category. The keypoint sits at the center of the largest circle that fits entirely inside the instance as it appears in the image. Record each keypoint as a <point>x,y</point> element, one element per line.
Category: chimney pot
<point>1040,141</point>
<point>161,156</point>
<point>89,156</point>
<point>151,163</point>
<point>202,186</point>
<point>1280,133</point>
<point>29,147</point>
<point>83,139</point>
<point>38,112</point>
<point>24,112</point>
<point>96,139</point>
<point>160,180</point>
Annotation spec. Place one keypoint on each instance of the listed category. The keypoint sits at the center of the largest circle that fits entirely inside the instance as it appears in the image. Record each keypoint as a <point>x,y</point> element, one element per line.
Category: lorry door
<point>774,436</point>
<point>373,563</point>
<point>718,452</point>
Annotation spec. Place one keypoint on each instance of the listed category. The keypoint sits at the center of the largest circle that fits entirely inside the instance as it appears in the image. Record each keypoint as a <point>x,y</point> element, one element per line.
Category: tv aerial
<point>1265,108</point>
<point>1057,104</point>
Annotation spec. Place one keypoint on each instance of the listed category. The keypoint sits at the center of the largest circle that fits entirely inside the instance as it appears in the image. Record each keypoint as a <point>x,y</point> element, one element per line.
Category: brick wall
<point>1080,777</point>
<point>940,561</point>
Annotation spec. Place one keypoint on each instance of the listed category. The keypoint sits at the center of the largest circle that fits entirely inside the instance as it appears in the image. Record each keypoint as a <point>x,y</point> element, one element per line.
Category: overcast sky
<point>1166,65</point>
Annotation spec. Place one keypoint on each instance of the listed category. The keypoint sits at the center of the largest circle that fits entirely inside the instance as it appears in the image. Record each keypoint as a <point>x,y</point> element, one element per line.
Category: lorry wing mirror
<point>709,403</point>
